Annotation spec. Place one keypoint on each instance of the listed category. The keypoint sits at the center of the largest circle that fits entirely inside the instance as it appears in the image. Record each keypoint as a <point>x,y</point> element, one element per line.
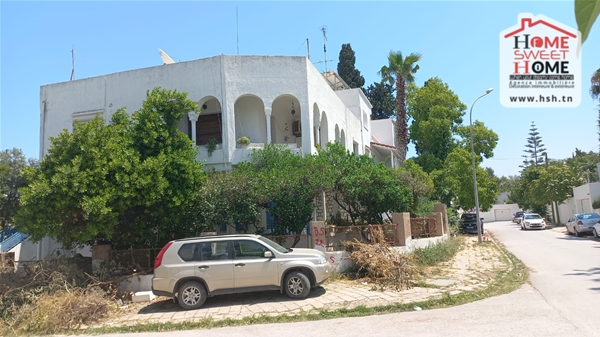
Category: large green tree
<point>288,187</point>
<point>400,71</point>
<point>381,97</point>
<point>133,181</point>
<point>484,139</point>
<point>346,67</point>
<point>436,112</point>
<point>459,177</point>
<point>365,190</point>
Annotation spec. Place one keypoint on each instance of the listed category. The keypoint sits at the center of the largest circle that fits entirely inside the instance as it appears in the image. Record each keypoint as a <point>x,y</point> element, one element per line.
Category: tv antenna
<point>165,58</point>
<point>73,64</point>
<point>324,30</point>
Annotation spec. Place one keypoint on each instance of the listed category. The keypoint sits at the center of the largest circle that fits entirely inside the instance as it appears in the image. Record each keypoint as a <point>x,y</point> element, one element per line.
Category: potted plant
<point>211,146</point>
<point>243,141</point>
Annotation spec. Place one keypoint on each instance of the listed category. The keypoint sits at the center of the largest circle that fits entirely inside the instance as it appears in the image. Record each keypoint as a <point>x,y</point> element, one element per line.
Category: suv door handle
<point>240,264</point>
<point>203,267</point>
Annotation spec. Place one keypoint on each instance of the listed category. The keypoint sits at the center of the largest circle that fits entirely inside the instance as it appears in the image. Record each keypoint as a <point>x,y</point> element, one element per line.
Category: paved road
<point>562,300</point>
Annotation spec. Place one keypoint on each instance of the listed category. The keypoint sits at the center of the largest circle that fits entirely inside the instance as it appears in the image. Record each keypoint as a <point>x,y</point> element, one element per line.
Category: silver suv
<point>193,269</point>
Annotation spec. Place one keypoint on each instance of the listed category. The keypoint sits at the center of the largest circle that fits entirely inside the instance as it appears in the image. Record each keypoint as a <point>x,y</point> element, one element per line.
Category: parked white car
<point>532,221</point>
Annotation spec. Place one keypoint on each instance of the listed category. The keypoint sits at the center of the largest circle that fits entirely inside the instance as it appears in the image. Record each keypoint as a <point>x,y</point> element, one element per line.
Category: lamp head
<point>489,90</point>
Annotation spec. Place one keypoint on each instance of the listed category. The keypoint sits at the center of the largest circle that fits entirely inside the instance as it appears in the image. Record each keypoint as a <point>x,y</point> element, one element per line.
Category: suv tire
<point>191,295</point>
<point>296,285</point>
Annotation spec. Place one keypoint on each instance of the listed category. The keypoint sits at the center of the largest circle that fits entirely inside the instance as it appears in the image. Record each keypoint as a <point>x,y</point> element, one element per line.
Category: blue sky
<point>458,40</point>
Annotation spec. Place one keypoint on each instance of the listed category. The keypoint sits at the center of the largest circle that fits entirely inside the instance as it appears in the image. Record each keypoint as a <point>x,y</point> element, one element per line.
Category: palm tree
<point>401,70</point>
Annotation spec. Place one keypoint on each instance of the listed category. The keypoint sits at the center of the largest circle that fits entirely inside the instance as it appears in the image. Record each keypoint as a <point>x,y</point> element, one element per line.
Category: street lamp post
<point>474,170</point>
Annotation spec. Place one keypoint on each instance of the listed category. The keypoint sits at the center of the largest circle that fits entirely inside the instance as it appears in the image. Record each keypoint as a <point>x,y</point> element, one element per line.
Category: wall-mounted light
<point>204,107</point>
<point>293,110</point>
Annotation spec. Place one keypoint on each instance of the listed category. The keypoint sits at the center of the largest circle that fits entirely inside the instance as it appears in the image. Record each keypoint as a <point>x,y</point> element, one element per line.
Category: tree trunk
<point>401,125</point>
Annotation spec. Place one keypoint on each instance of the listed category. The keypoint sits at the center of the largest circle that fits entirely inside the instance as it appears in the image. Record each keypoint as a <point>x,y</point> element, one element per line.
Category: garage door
<point>503,214</point>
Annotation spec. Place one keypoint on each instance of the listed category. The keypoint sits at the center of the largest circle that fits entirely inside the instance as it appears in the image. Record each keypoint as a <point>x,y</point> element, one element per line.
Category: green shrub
<point>438,252</point>
<point>596,203</point>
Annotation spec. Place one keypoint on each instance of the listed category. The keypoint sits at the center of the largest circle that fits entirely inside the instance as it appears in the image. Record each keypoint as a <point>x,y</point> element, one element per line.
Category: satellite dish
<point>165,58</point>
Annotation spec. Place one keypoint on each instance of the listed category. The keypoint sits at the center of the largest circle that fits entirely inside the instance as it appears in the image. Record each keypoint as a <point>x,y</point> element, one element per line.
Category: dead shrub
<point>382,265</point>
<point>52,296</point>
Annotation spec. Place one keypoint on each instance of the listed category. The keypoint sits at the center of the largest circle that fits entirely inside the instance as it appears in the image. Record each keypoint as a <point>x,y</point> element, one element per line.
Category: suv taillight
<point>579,223</point>
<point>159,257</point>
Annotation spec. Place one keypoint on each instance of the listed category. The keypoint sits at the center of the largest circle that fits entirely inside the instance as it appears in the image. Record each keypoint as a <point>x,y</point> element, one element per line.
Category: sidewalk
<point>471,269</point>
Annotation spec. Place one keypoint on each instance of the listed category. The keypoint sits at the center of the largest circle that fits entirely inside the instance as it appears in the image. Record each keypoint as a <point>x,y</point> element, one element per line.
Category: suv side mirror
<point>268,255</point>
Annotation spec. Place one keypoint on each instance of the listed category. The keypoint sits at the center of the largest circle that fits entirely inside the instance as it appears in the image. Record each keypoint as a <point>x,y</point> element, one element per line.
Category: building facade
<point>269,99</point>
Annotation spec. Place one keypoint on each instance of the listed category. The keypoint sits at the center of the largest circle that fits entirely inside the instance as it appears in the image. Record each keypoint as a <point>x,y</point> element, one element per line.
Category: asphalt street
<point>563,299</point>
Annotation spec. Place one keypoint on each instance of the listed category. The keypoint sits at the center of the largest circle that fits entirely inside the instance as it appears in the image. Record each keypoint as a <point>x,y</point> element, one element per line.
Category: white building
<point>269,99</point>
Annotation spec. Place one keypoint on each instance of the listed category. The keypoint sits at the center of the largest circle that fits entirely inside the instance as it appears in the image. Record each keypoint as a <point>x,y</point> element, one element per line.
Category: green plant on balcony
<point>243,141</point>
<point>211,146</point>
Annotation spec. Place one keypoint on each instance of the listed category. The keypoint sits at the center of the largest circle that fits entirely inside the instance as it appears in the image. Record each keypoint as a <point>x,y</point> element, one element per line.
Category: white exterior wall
<point>490,215</point>
<point>565,210</point>
<point>45,248</point>
<point>247,87</point>
<point>383,130</point>
<point>337,112</point>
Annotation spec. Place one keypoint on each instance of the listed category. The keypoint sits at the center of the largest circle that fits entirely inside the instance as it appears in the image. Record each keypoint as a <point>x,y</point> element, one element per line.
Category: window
<point>246,249</point>
<point>188,252</point>
<point>588,216</point>
<point>214,251</point>
<point>533,216</point>
<point>208,127</point>
<point>355,147</point>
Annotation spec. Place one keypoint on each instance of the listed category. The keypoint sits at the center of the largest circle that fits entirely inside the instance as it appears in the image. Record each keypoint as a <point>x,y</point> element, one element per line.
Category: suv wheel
<point>297,285</point>
<point>191,295</point>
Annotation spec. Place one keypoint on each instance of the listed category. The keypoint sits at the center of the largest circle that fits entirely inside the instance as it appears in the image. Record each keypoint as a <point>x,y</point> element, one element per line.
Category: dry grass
<point>52,296</point>
<point>380,264</point>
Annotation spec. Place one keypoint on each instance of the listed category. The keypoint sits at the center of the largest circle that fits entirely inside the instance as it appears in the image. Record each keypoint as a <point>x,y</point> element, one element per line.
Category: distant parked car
<point>468,223</point>
<point>517,217</point>
<point>532,221</point>
<point>582,223</point>
<point>596,230</point>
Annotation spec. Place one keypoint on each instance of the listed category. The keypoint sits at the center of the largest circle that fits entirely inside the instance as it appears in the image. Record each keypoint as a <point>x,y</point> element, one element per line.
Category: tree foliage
<point>586,13</point>
<point>417,180</point>
<point>366,191</point>
<point>436,111</point>
<point>133,181</point>
<point>484,139</point>
<point>534,148</point>
<point>400,71</point>
<point>346,67</point>
<point>381,97</point>
<point>506,184</point>
<point>460,180</point>
<point>286,187</point>
<point>584,164</point>
<point>555,183</point>
<point>12,164</point>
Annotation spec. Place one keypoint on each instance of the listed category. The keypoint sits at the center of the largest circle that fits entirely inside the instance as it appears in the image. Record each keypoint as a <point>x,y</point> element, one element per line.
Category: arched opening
<point>286,127</point>
<point>324,132</point>
<point>209,124</point>
<point>343,138</point>
<point>316,124</point>
<point>250,119</point>
<point>337,134</point>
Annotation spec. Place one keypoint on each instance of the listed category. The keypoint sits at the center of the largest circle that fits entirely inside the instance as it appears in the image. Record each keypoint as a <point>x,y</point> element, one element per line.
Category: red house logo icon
<point>539,64</point>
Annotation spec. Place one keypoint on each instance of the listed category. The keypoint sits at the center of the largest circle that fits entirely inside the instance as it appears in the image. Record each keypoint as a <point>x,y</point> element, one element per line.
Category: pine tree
<point>346,68</point>
<point>534,148</point>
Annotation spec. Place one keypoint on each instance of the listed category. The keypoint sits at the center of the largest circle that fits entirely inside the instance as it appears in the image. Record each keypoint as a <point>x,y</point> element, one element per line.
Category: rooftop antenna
<point>237,31</point>
<point>165,58</point>
<point>308,49</point>
<point>324,30</point>
<point>73,64</point>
